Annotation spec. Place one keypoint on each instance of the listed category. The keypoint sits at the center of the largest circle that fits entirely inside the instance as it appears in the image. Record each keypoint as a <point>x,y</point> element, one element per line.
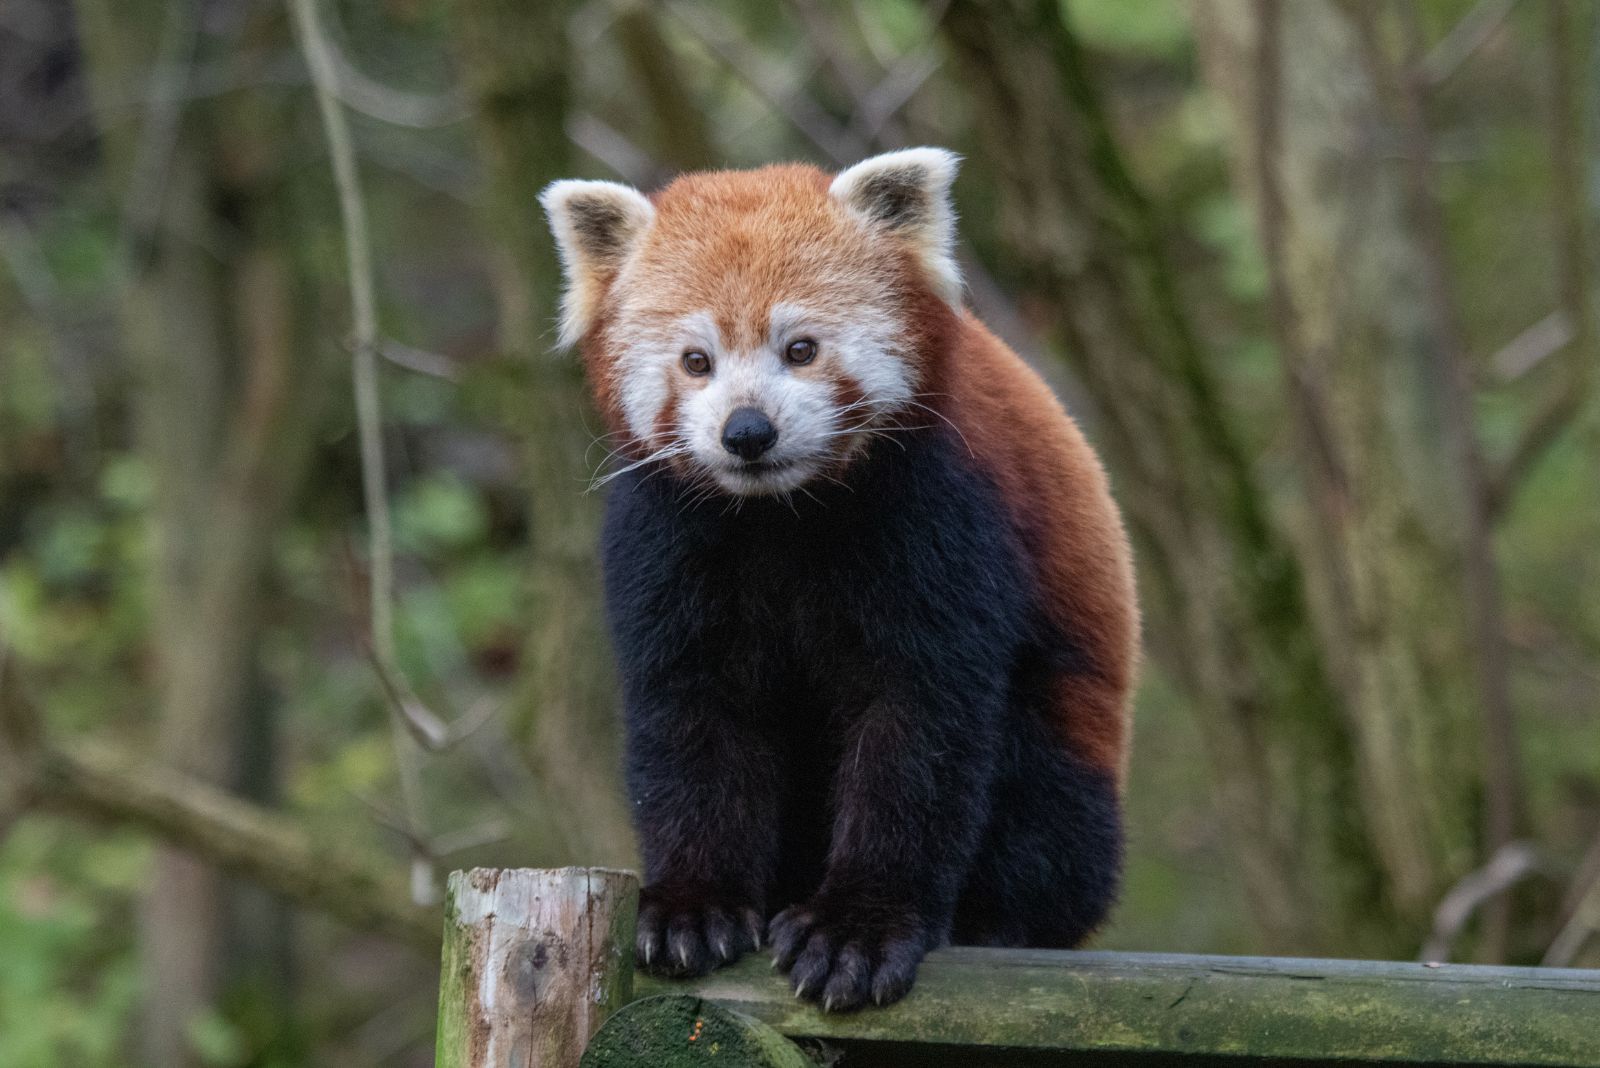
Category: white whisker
<point>664,453</point>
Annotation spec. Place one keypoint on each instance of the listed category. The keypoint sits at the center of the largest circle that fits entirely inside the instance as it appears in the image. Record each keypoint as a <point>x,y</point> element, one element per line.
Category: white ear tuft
<point>596,226</point>
<point>908,192</point>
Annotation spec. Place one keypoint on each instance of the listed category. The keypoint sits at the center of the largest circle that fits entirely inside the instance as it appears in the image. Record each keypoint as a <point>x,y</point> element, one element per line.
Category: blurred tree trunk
<point>225,400</point>
<point>514,59</point>
<point>1383,532</point>
<point>680,136</point>
<point>1223,584</point>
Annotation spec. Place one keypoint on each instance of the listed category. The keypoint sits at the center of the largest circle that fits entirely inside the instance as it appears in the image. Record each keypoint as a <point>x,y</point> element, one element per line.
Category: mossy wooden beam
<point>971,1006</point>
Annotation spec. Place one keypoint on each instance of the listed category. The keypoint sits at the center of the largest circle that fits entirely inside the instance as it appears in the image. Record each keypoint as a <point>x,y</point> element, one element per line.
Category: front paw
<point>688,930</point>
<point>843,952</point>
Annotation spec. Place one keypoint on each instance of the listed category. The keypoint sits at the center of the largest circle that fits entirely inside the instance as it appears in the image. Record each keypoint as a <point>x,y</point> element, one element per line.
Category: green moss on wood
<point>675,1031</point>
<point>1254,1008</point>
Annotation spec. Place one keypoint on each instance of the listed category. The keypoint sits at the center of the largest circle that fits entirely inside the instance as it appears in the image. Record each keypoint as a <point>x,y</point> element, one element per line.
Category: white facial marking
<point>864,346</point>
<point>869,345</point>
<point>650,358</point>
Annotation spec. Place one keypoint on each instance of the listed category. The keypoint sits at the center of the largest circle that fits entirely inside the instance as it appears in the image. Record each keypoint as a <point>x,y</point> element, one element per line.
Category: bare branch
<point>398,107</point>
<point>1510,864</point>
<point>363,299</point>
<point>1558,411</point>
<point>827,39</point>
<point>1480,571</point>
<point>769,80</point>
<point>490,831</point>
<point>1467,36</point>
<point>244,839</point>
<point>878,109</point>
<point>1581,911</point>
<point>877,106</point>
<point>426,729</point>
<point>1569,218</point>
<point>158,136</point>
<point>374,477</point>
<point>421,361</point>
<point>609,146</point>
<point>1533,346</point>
<point>85,778</point>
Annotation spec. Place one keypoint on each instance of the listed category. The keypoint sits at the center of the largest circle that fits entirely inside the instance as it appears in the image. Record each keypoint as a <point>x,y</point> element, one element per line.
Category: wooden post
<point>534,962</point>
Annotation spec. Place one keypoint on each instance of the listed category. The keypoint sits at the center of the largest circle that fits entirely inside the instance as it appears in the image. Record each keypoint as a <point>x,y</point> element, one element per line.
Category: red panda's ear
<point>908,192</point>
<point>596,226</point>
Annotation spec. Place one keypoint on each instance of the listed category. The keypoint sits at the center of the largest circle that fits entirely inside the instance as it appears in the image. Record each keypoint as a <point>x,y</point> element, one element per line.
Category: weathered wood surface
<point>1039,1006</point>
<point>675,1032</point>
<point>534,962</point>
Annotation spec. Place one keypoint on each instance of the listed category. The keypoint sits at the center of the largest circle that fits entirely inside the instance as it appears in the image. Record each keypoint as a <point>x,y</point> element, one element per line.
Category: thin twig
<point>608,145</point>
<point>1556,413</point>
<point>426,729</point>
<point>1532,346</point>
<point>1580,911</point>
<point>1480,571</point>
<point>421,361</point>
<point>397,107</point>
<point>719,37</point>
<point>1510,864</point>
<point>364,333</point>
<point>1468,35</point>
<point>440,847</point>
<point>374,480</point>
<point>1569,217</point>
<point>143,199</point>
<point>876,113</point>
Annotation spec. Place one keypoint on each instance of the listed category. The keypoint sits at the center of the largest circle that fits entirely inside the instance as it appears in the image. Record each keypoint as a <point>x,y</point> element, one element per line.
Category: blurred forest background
<point>283,646</point>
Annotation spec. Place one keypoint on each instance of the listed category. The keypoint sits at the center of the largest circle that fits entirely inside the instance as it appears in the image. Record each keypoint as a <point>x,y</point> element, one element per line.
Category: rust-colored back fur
<point>1061,504</point>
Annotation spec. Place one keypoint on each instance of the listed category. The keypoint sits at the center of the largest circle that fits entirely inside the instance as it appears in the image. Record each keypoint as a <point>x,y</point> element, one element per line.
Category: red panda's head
<point>754,328</point>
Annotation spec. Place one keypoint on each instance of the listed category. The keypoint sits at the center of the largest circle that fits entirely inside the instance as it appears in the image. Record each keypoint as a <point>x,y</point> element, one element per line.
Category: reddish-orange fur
<point>1061,504</point>
<point>758,237</point>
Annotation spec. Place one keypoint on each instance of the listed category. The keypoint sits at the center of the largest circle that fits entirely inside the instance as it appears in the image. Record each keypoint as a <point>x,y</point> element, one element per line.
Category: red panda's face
<point>751,328</point>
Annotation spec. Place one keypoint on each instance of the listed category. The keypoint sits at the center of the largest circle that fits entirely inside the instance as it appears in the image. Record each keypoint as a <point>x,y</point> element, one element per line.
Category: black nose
<point>748,434</point>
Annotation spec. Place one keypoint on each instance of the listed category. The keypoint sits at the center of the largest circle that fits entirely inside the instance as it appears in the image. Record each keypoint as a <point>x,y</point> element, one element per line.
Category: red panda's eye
<point>801,352</point>
<point>696,363</point>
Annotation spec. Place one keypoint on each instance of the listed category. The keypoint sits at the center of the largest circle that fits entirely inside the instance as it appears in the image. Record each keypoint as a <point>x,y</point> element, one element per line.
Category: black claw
<point>895,973</point>
<point>810,970</point>
<point>726,939</point>
<point>788,933</point>
<point>680,935</point>
<point>648,937</point>
<point>686,947</point>
<point>754,926</point>
<point>850,980</point>
<point>842,960</point>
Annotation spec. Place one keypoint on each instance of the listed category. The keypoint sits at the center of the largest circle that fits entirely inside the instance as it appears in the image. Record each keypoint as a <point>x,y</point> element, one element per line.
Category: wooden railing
<point>538,973</point>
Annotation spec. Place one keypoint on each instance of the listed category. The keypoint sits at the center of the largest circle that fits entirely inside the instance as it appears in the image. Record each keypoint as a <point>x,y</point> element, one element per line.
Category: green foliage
<point>68,974</point>
<point>1146,27</point>
<point>437,514</point>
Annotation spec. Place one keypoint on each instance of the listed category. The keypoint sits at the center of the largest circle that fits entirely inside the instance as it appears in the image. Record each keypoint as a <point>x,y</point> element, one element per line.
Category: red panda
<point>872,603</point>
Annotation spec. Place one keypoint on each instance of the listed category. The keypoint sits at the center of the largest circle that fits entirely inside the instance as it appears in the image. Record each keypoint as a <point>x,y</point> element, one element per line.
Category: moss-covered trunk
<point>1380,525</point>
<point>514,59</point>
<point>1222,583</point>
